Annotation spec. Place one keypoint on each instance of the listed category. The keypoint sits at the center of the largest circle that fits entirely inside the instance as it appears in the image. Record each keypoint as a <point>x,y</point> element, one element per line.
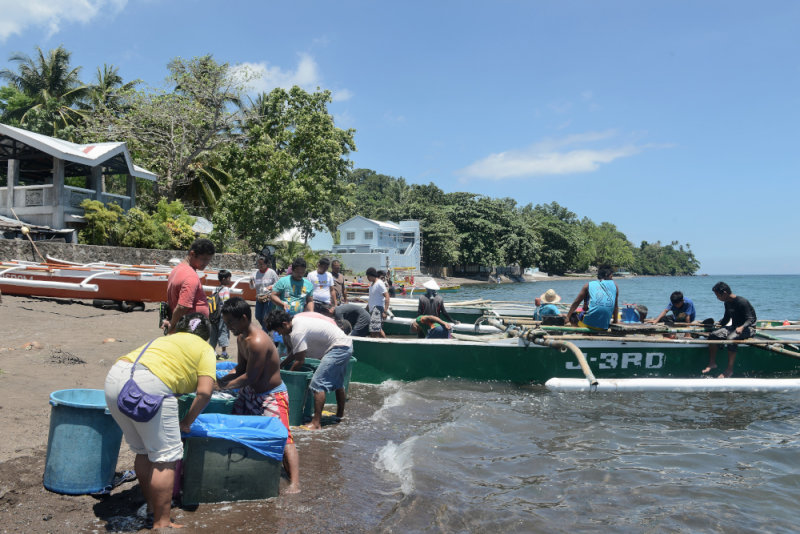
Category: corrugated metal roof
<point>89,154</point>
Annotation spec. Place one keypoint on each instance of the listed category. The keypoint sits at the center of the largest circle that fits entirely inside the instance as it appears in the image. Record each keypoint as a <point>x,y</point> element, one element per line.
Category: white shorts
<point>160,437</point>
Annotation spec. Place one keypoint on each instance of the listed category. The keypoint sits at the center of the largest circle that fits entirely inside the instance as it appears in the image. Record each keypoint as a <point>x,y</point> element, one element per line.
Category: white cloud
<point>342,95</point>
<point>265,78</point>
<point>18,15</point>
<point>569,155</point>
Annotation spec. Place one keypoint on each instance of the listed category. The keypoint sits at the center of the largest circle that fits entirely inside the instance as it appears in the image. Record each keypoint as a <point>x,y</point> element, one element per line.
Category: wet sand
<point>51,344</point>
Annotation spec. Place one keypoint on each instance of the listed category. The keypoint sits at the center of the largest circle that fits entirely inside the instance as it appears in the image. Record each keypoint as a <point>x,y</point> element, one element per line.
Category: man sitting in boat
<point>546,307</point>
<point>742,317</point>
<point>185,292</point>
<point>679,310</point>
<point>431,327</point>
<point>431,303</point>
<point>602,308</point>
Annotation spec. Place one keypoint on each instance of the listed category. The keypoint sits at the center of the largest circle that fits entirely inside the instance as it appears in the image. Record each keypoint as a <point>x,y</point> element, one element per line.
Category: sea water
<point>466,456</point>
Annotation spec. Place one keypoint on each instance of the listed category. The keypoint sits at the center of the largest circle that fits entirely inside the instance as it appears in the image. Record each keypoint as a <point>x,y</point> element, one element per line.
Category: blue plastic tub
<point>83,444</point>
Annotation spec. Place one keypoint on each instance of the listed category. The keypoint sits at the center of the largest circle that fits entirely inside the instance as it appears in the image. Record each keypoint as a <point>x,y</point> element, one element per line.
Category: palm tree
<point>206,181</point>
<point>108,91</point>
<point>54,88</point>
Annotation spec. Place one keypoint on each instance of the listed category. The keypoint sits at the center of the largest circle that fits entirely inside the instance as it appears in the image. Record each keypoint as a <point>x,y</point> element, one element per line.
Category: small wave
<point>398,460</point>
<point>398,398</point>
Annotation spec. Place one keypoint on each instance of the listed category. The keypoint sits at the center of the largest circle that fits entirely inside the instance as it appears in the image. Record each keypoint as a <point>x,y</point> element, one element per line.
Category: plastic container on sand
<point>83,443</point>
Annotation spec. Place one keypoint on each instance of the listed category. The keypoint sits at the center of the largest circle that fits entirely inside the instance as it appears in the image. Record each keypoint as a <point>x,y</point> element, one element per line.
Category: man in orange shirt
<point>184,289</point>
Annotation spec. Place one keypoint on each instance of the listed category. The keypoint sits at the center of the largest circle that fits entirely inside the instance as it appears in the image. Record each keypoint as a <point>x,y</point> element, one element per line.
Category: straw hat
<point>431,284</point>
<point>550,296</point>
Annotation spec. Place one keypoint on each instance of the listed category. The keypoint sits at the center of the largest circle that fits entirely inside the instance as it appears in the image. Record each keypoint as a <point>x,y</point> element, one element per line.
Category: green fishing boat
<point>520,361</point>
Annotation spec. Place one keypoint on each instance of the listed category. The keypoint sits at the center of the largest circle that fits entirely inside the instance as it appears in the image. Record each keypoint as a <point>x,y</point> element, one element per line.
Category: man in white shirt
<point>324,292</point>
<point>262,280</point>
<point>378,303</point>
<point>307,336</point>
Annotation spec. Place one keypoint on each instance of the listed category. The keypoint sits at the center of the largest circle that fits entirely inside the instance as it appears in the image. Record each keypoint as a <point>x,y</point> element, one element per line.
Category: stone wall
<point>17,249</point>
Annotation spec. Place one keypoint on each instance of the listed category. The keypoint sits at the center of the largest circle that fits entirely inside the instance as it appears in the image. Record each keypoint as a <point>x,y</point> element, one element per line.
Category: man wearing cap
<point>431,303</point>
<point>548,307</point>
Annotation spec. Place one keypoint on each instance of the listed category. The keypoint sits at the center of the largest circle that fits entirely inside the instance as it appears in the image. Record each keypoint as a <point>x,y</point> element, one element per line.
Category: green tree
<point>54,91</point>
<point>289,171</point>
<point>560,235</point>
<point>109,92</point>
<point>172,130</point>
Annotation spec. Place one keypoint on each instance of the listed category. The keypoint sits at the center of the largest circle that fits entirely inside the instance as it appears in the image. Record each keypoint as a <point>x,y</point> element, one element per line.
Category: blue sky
<point>672,120</point>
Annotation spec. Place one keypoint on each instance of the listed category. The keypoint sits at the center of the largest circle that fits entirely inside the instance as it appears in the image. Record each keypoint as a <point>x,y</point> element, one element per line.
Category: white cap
<point>431,284</point>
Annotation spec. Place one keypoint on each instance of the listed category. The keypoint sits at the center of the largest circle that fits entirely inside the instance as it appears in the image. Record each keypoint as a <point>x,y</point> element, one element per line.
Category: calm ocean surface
<point>458,456</point>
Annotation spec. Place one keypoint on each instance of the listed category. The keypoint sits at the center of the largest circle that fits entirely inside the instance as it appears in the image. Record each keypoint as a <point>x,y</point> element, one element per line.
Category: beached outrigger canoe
<point>521,360</point>
<point>94,281</point>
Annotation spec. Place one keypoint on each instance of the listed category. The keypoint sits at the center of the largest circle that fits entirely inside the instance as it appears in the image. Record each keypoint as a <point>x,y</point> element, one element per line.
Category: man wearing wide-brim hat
<point>548,307</point>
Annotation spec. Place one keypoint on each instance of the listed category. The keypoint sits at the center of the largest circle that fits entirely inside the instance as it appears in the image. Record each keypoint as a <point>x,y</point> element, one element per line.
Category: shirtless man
<point>257,375</point>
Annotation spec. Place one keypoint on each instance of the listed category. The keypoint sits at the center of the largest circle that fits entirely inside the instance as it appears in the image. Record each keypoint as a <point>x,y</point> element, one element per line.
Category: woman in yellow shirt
<point>173,365</point>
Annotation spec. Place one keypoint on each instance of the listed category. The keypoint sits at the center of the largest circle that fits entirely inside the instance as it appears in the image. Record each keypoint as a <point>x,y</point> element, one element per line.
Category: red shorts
<point>268,404</point>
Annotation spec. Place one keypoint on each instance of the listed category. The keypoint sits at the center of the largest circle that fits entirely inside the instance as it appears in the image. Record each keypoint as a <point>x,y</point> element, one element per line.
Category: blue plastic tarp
<point>265,435</point>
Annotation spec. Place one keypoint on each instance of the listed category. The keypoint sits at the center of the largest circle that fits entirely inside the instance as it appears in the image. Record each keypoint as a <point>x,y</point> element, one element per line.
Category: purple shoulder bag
<point>134,402</point>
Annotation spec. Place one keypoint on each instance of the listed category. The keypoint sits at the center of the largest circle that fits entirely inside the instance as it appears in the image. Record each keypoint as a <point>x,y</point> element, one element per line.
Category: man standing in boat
<point>185,292</point>
<point>602,296</point>
<point>742,317</point>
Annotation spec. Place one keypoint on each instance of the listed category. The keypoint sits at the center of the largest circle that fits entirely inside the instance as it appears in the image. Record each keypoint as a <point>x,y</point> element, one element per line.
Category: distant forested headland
<point>259,165</point>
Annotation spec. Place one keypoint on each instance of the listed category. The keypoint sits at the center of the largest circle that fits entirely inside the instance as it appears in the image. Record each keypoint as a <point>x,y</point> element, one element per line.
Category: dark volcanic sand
<point>71,332</point>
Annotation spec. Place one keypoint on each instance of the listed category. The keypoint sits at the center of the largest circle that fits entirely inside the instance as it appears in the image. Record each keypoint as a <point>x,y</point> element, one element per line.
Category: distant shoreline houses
<point>365,243</point>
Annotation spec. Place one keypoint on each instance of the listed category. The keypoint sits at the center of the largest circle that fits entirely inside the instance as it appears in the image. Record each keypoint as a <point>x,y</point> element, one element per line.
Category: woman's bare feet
<point>292,488</point>
<point>708,369</point>
<point>170,525</point>
<point>727,374</point>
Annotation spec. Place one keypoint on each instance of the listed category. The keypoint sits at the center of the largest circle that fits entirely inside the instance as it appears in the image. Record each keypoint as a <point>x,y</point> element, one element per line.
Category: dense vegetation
<point>258,167</point>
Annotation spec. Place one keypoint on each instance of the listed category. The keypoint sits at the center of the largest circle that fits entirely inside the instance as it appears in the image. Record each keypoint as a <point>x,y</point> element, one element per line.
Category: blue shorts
<point>329,376</point>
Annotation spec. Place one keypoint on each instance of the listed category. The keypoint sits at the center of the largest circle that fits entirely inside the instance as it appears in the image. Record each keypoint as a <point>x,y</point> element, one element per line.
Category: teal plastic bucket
<point>330,397</point>
<point>83,444</point>
<point>296,387</point>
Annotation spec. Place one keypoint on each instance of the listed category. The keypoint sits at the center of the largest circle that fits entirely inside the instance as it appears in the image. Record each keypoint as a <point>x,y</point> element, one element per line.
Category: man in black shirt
<point>742,317</point>
<point>356,316</point>
<point>432,304</point>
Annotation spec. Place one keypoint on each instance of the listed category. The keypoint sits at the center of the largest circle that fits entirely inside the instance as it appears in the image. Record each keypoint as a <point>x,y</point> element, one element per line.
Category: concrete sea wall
<point>17,249</point>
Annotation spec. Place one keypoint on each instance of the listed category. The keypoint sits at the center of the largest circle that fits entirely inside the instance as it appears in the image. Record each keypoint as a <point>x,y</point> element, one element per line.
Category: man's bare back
<point>259,356</point>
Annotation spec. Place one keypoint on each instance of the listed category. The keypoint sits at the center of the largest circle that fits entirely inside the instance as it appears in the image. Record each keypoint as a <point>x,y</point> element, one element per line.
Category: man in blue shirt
<point>682,310</point>
<point>294,293</point>
<point>600,299</point>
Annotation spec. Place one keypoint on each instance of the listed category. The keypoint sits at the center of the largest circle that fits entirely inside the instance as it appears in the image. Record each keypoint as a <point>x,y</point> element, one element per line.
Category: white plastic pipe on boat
<point>676,384</point>
<point>68,286</point>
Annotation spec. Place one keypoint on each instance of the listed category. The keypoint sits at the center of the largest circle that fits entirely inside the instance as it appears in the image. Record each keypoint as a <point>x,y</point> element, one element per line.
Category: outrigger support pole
<point>564,346</point>
<point>539,337</point>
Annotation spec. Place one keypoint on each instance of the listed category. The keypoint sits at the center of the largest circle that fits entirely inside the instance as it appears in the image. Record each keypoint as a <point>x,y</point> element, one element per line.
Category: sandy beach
<point>54,344</point>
